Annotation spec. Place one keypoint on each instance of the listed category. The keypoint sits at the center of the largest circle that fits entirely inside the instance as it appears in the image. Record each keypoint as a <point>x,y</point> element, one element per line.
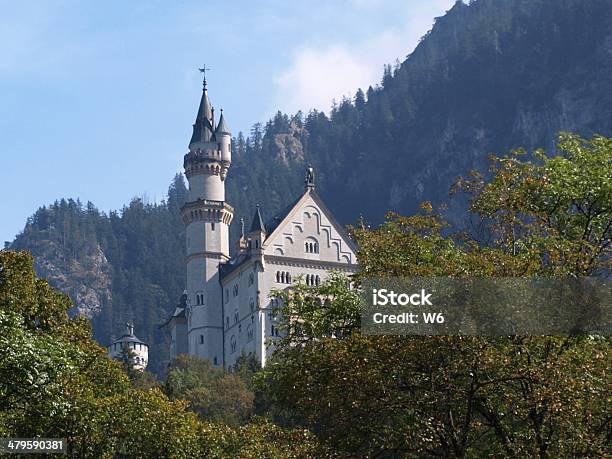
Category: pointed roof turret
<point>222,127</point>
<point>258,224</point>
<point>203,127</point>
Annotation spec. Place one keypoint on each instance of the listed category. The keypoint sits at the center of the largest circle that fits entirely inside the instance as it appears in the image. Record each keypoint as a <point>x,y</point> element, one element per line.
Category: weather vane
<point>203,70</point>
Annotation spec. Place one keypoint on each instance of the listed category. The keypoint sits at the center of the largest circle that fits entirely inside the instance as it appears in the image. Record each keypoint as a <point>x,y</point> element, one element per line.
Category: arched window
<point>201,339</point>
<point>288,278</point>
<point>283,277</point>
<point>317,280</point>
<point>277,276</point>
<point>311,245</point>
<point>250,333</point>
<point>252,305</point>
<point>199,299</point>
<point>236,316</point>
<point>251,278</point>
<point>233,344</point>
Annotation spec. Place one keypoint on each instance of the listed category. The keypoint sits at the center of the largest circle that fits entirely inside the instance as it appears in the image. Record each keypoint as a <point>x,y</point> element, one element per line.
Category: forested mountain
<point>127,266</point>
<point>490,76</point>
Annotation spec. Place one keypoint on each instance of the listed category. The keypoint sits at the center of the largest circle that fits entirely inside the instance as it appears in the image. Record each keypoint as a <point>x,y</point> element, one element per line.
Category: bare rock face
<point>86,279</point>
<point>288,146</point>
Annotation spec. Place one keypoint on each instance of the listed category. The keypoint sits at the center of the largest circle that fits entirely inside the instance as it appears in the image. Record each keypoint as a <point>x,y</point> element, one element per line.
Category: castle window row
<point>312,279</point>
<point>283,277</point>
<point>118,346</point>
<point>311,247</point>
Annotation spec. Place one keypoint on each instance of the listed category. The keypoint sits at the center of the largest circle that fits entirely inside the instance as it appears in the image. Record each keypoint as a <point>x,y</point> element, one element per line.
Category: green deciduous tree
<point>521,396</point>
<point>55,381</point>
<point>214,393</point>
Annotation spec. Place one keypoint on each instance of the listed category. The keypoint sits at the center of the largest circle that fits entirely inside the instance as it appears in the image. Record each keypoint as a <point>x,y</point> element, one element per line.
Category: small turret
<point>130,349</point>
<point>257,233</point>
<point>222,127</point>
<point>224,138</point>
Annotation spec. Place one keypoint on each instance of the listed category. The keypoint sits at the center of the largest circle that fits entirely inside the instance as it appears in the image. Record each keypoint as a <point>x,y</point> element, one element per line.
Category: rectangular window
<point>201,339</point>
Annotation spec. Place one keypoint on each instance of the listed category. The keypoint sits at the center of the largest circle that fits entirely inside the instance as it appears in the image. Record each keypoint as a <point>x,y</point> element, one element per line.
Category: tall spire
<point>203,127</point>
<point>258,224</point>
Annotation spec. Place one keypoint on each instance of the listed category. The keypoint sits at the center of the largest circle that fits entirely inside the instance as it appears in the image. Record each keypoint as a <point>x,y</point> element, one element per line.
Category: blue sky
<point>97,98</point>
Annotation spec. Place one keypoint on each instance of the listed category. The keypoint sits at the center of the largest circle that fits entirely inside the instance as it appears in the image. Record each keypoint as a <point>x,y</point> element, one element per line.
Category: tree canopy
<point>461,396</point>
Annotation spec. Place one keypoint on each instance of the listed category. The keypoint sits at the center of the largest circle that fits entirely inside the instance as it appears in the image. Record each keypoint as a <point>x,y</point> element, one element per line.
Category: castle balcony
<point>206,160</point>
<point>207,210</point>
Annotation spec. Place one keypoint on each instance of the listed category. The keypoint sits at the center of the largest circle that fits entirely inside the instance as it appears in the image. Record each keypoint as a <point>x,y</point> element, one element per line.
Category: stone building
<point>129,347</point>
<point>226,310</point>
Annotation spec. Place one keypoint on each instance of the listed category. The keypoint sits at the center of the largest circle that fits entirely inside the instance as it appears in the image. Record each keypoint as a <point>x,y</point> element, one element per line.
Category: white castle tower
<point>228,307</point>
<point>129,348</point>
<point>207,218</point>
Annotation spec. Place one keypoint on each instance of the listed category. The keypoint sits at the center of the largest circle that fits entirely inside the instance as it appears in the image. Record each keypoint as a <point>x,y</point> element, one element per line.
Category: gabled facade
<point>227,309</point>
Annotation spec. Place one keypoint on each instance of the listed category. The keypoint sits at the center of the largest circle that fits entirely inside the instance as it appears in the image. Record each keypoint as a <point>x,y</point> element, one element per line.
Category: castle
<point>226,310</point>
<point>128,348</point>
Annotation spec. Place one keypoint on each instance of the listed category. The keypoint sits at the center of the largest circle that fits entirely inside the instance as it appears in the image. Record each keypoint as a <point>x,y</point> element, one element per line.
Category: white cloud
<point>315,76</point>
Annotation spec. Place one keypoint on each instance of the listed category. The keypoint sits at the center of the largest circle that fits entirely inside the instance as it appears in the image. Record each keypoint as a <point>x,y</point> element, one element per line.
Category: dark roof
<point>128,338</point>
<point>179,310</point>
<point>202,128</point>
<point>258,224</point>
<point>222,127</point>
<point>276,220</point>
<point>225,269</point>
